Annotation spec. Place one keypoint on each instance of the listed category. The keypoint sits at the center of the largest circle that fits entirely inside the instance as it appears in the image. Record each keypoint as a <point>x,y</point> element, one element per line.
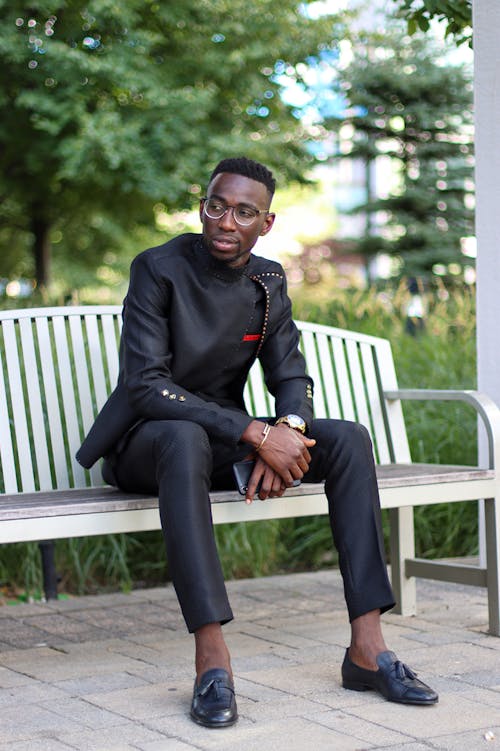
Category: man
<point>199,310</point>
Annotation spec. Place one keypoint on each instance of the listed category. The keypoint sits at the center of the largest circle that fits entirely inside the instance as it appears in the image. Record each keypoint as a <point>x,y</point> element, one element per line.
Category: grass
<point>441,356</point>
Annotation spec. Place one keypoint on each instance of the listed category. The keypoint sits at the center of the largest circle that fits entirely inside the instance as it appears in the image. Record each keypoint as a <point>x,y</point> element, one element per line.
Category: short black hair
<point>248,168</point>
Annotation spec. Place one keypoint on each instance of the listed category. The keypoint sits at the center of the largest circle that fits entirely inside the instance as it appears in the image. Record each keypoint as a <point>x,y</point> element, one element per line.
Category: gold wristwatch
<point>293,421</point>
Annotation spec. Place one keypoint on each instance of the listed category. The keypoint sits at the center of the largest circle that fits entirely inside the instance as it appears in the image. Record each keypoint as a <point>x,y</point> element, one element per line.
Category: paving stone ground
<point>115,673</point>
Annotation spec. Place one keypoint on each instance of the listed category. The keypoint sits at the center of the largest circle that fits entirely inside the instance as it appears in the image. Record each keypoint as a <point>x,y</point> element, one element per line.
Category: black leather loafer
<point>393,679</point>
<point>214,704</point>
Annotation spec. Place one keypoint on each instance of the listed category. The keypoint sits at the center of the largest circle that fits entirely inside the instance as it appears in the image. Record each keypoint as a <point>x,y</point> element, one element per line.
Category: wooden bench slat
<point>327,383</point>
<point>6,448</point>
<point>19,411</point>
<point>110,347</point>
<point>358,384</point>
<point>37,421</point>
<point>55,437</point>
<point>314,370</point>
<point>380,443</point>
<point>67,387</point>
<point>401,475</point>
<point>96,360</point>
<point>104,499</point>
<point>343,380</point>
<point>82,372</point>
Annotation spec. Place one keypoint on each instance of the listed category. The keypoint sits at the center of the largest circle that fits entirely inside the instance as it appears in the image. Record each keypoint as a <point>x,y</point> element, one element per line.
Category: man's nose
<point>227,220</point>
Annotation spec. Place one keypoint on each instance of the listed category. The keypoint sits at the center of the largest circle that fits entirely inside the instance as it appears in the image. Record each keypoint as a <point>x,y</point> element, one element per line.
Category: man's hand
<point>272,486</point>
<point>283,457</point>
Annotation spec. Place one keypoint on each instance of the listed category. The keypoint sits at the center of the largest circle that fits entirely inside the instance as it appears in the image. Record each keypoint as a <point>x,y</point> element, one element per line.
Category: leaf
<point>412,26</point>
<point>112,108</point>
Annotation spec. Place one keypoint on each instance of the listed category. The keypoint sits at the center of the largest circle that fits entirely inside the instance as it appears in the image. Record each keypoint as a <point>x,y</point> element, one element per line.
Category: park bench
<point>58,365</point>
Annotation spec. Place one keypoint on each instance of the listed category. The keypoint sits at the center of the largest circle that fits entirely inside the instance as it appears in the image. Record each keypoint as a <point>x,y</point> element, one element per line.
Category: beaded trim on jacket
<point>222,271</point>
<point>257,278</point>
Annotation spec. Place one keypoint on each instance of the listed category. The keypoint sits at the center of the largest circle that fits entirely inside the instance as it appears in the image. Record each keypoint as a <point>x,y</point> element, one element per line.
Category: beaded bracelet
<point>265,433</point>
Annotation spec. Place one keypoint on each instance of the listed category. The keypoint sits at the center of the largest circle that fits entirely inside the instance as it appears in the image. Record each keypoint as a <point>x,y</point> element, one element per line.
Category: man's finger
<point>253,483</point>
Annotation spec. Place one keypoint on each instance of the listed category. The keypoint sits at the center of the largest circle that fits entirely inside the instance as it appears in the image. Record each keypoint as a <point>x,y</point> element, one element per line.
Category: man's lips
<point>225,243</point>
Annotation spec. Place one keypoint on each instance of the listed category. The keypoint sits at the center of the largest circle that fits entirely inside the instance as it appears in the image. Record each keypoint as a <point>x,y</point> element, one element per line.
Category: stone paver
<point>114,672</point>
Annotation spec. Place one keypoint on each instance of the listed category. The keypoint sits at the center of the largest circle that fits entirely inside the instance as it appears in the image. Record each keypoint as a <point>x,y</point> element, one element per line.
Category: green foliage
<point>108,109</point>
<point>20,566</point>
<point>251,549</point>
<point>100,559</point>
<point>457,14</point>
<point>406,103</point>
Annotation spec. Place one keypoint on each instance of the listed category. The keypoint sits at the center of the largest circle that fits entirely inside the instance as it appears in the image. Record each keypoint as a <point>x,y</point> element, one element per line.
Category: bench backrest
<point>58,365</point>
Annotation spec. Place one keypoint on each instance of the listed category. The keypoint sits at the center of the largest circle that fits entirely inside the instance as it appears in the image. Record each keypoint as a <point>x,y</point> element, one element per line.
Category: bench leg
<point>492,525</point>
<point>402,547</point>
<point>47,551</point>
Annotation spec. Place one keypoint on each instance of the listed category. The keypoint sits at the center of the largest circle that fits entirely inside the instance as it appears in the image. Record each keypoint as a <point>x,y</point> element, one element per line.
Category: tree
<point>109,108</point>
<point>406,103</point>
<point>457,14</point>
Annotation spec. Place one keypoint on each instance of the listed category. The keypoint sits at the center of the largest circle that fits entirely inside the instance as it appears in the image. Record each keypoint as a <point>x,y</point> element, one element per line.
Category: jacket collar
<point>218,268</point>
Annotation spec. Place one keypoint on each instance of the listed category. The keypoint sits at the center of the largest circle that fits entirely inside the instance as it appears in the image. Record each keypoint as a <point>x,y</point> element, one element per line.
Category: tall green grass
<point>442,356</point>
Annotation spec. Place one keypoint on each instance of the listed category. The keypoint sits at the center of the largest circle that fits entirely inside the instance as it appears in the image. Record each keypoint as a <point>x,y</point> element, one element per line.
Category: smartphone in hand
<point>242,473</point>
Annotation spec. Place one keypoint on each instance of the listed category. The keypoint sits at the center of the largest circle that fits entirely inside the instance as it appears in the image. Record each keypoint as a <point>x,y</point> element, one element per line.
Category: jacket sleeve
<point>284,365</point>
<point>146,358</point>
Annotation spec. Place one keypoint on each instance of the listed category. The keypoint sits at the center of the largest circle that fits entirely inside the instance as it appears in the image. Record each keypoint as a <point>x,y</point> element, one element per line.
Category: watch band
<point>293,421</point>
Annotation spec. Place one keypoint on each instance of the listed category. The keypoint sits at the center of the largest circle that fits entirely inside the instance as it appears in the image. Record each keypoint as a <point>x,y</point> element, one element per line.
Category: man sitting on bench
<point>199,310</point>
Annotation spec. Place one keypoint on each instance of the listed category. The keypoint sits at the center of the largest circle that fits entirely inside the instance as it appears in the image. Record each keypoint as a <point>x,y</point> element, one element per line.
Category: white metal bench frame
<point>58,365</point>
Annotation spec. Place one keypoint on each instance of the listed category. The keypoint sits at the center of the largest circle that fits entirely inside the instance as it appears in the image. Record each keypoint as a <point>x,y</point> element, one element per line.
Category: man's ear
<point>268,223</point>
<point>202,201</point>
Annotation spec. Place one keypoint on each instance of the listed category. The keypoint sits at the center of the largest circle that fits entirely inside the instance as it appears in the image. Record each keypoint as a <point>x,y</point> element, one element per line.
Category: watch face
<point>296,422</point>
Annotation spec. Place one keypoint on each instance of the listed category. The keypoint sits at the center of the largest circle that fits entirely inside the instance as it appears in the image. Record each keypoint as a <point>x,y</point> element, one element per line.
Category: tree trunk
<point>41,250</point>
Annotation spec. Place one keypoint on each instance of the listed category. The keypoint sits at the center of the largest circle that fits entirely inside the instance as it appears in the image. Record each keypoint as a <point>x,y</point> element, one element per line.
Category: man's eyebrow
<point>240,203</point>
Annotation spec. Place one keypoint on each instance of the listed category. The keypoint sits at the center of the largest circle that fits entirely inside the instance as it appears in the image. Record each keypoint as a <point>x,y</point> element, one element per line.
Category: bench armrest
<point>483,404</point>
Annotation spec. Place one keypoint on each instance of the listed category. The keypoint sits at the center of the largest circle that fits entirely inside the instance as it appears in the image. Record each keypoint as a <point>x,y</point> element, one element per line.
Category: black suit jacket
<point>192,329</point>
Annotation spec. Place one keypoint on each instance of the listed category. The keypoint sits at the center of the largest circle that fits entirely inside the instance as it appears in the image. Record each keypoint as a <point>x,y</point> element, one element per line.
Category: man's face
<point>225,239</point>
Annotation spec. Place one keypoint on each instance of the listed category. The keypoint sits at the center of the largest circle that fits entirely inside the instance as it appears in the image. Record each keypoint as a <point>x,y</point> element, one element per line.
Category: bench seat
<point>22,507</point>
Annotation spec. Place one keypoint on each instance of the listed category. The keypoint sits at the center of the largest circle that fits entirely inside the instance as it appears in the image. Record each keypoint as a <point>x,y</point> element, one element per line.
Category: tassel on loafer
<point>214,703</point>
<point>393,679</point>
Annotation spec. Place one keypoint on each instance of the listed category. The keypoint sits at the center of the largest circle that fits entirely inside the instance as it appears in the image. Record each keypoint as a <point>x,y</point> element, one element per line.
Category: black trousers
<point>177,460</point>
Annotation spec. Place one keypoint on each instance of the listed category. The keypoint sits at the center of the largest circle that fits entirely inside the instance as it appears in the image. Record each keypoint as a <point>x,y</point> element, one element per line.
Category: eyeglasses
<point>242,214</point>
